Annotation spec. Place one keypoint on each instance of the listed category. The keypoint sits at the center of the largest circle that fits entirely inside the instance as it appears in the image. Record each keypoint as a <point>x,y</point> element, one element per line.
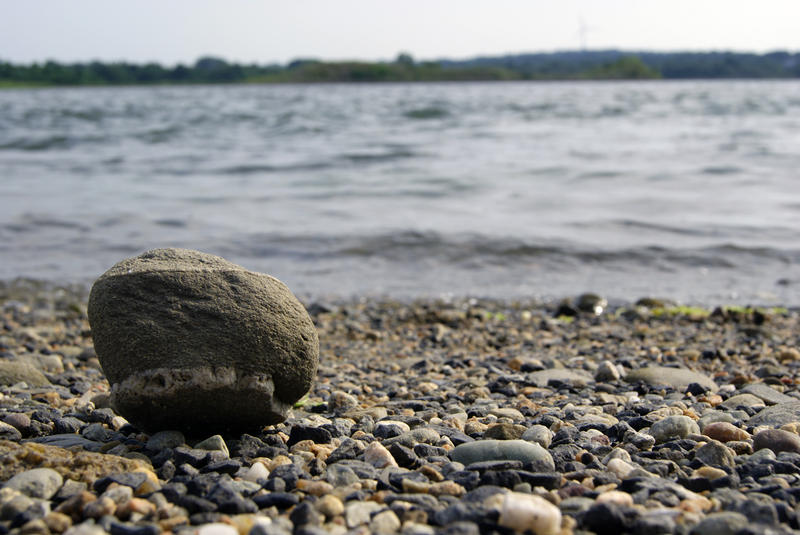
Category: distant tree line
<point>610,64</point>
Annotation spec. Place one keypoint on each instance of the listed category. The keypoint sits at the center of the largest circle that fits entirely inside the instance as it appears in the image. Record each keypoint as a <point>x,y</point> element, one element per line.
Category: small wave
<point>32,223</point>
<point>172,223</point>
<point>477,251</point>
<point>156,136</point>
<point>369,157</point>
<point>39,144</point>
<point>431,112</point>
<point>254,169</point>
<point>721,170</point>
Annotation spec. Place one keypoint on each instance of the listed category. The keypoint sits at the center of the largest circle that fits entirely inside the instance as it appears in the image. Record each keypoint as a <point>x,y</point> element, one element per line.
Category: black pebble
<point>319,435</point>
<point>404,456</point>
<point>281,500</point>
<point>228,466</point>
<point>118,528</point>
<point>195,504</point>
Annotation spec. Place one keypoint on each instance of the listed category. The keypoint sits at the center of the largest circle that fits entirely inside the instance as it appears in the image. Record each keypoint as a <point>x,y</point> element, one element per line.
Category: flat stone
<point>190,341</point>
<point>502,450</point>
<point>678,378</point>
<point>574,377</point>
<point>68,440</point>
<point>777,440</point>
<point>743,400</point>
<point>408,439</point>
<point>16,371</point>
<point>777,415</point>
<point>766,393</point>
<point>723,523</point>
<point>36,483</point>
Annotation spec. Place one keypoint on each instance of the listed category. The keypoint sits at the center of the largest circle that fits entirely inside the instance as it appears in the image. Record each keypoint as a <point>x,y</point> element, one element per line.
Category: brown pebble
<point>725,432</point>
<point>168,524</point>
<point>504,431</point>
<point>57,522</point>
<point>73,506</point>
<point>740,447</point>
<point>777,440</point>
<point>18,420</point>
<point>431,473</point>
<point>330,506</point>
<point>448,488</point>
<point>709,472</point>
<point>135,505</point>
<point>792,427</point>
<point>36,526</point>
<point>315,488</point>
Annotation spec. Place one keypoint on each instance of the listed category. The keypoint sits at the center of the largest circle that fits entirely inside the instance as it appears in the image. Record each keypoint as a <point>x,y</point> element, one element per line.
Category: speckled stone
<point>673,427</point>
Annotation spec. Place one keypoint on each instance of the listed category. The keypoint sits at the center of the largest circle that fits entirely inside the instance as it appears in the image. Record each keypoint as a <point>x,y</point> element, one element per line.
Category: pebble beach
<point>463,416</point>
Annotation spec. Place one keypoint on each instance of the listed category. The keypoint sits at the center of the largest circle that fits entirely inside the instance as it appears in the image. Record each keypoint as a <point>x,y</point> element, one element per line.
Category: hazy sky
<point>172,31</point>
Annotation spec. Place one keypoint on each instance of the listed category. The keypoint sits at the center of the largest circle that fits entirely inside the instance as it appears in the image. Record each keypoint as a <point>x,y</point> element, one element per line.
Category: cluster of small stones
<point>458,417</point>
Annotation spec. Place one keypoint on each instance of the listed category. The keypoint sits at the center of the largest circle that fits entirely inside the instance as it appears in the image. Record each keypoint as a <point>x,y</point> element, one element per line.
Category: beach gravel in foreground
<point>403,389</point>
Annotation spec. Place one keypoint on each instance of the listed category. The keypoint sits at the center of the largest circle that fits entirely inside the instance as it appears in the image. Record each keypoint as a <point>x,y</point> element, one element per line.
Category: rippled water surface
<point>680,189</point>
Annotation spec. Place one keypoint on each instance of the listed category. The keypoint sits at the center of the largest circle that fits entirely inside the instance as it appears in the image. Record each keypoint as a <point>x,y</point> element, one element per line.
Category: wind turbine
<point>583,30</point>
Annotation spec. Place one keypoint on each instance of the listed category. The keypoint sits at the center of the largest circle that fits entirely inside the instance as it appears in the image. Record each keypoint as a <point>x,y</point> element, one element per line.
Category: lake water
<point>686,190</point>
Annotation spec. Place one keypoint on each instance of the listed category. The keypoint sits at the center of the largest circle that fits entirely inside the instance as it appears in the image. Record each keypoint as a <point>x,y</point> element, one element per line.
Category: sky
<point>261,31</point>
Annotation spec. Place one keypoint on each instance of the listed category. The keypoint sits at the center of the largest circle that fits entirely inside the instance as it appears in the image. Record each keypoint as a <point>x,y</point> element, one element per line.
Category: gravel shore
<point>459,417</point>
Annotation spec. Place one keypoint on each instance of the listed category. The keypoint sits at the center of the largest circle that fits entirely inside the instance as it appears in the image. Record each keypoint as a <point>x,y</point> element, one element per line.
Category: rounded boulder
<point>193,342</point>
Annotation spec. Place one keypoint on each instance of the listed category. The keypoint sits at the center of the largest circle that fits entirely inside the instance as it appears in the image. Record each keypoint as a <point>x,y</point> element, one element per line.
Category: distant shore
<point>575,65</point>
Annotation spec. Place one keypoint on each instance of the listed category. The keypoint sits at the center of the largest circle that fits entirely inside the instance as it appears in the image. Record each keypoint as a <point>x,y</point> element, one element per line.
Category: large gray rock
<point>193,342</point>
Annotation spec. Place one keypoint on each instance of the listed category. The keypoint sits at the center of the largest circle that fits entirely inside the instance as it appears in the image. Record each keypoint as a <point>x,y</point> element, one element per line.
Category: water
<point>513,190</point>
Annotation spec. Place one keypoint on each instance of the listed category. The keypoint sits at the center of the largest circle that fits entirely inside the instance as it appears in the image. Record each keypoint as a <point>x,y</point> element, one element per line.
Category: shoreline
<point>402,386</point>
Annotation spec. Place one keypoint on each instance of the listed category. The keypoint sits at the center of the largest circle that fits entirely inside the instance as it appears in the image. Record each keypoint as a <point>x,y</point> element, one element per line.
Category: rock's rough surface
<point>190,340</point>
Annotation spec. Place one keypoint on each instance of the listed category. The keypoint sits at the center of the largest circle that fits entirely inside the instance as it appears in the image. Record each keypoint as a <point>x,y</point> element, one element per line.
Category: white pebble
<point>615,496</point>
<point>217,528</point>
<point>385,522</point>
<point>522,512</point>
<point>619,468</point>
<point>256,472</point>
